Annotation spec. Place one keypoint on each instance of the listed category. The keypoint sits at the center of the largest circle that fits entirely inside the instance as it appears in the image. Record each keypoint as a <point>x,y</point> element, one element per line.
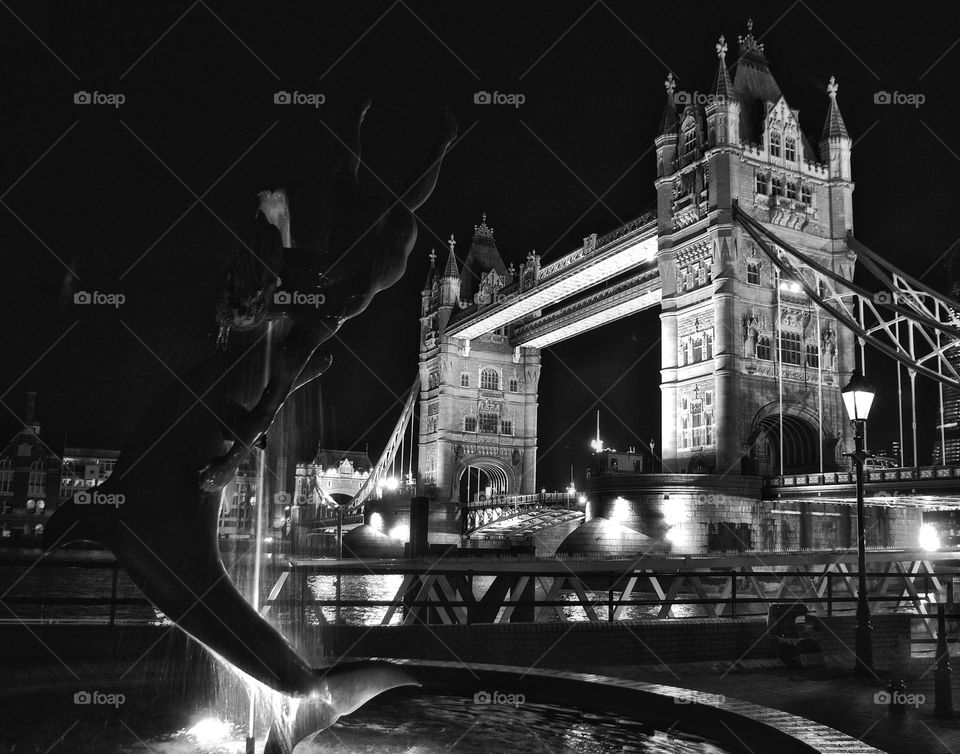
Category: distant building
<point>332,478</point>
<point>84,467</point>
<point>29,482</point>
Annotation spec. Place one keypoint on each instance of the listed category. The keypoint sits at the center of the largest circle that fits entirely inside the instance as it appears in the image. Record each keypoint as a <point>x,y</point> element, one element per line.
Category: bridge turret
<point>722,106</point>
<point>835,149</point>
<point>666,141</point>
<point>450,281</point>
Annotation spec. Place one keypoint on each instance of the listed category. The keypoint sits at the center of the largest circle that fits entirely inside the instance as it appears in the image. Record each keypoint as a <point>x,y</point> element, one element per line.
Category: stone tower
<point>478,398</point>
<point>751,369</point>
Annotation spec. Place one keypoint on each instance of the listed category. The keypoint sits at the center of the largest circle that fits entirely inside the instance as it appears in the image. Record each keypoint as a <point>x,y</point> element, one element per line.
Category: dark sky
<point>199,113</point>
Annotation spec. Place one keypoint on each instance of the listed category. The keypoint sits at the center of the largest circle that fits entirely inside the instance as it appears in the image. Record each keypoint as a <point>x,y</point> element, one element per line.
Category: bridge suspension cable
<point>388,457</point>
<point>933,326</point>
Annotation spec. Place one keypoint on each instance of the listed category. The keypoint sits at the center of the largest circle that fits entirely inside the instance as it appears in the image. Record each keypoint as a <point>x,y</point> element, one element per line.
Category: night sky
<point>98,198</point>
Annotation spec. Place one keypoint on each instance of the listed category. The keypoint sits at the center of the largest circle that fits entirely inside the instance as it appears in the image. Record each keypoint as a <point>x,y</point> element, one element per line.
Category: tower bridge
<point>749,256</point>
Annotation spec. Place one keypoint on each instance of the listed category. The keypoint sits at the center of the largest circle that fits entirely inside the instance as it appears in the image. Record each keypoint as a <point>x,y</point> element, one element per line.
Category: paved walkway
<point>830,695</point>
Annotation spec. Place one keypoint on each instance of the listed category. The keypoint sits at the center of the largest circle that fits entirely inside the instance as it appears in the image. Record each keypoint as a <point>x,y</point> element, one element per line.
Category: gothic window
<point>763,347</point>
<point>489,379</point>
<point>761,183</point>
<point>689,140</point>
<point>469,424</point>
<point>689,349</point>
<point>753,273</point>
<point>682,278</point>
<point>684,432</point>
<point>708,345</point>
<point>6,475</point>
<point>790,148</point>
<point>506,427</point>
<point>464,379</point>
<point>776,187</point>
<point>775,144</point>
<point>813,356</point>
<point>682,360</point>
<point>489,423</point>
<point>806,194</point>
<point>701,273</point>
<point>791,190</point>
<point>789,347</point>
<point>514,385</point>
<point>701,422</point>
<point>35,485</point>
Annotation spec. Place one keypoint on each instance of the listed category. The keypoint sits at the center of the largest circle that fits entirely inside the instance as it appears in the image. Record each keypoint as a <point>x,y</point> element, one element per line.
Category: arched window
<point>514,385</point>
<point>775,144</point>
<point>489,379</point>
<point>761,183</point>
<point>469,424</point>
<point>790,148</point>
<point>708,345</point>
<point>698,348</point>
<point>753,273</point>
<point>813,356</point>
<point>464,379</point>
<point>776,187</point>
<point>763,347</point>
<point>806,194</point>
<point>792,190</point>
<point>35,485</point>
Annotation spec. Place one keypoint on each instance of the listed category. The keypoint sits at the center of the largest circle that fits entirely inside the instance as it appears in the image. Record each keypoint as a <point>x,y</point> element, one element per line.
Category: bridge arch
<point>479,472</point>
<point>801,444</point>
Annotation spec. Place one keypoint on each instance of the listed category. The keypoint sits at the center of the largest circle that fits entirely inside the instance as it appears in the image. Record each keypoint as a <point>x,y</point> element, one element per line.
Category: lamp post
<point>857,399</point>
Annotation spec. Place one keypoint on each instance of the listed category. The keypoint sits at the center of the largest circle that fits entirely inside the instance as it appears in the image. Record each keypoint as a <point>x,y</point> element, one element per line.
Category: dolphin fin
<point>341,690</point>
<point>72,523</point>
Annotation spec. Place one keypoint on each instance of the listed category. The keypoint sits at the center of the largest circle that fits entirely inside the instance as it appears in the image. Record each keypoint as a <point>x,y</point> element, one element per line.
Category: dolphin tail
<point>341,690</point>
<point>73,523</point>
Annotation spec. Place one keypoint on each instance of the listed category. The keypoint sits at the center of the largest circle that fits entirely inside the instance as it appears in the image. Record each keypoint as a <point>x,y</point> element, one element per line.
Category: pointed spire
<point>452,271</point>
<point>668,123</point>
<point>834,126</point>
<point>432,272</point>
<point>722,86</point>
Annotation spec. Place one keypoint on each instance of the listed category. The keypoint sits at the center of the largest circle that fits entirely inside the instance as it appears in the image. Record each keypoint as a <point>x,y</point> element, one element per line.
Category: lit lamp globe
<point>857,397</point>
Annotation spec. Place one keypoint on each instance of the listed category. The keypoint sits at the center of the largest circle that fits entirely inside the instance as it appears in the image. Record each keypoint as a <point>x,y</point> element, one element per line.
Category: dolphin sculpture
<point>158,511</point>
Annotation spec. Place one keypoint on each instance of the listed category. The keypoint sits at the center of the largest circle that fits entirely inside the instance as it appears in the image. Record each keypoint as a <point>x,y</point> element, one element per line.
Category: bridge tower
<point>478,398</point>
<point>751,370</point>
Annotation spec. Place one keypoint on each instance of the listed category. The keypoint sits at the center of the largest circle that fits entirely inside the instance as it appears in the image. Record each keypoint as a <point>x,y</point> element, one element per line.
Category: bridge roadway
<point>927,487</point>
<point>633,245</point>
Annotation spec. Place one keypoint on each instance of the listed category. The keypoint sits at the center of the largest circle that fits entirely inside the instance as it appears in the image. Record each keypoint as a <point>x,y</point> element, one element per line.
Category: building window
<point>701,274</point>
<point>775,144</point>
<point>792,190</point>
<point>506,427</point>
<point>776,187</point>
<point>689,140</point>
<point>806,195</point>
<point>753,273</point>
<point>489,379</point>
<point>469,424</point>
<point>36,480</point>
<point>682,360</point>
<point>701,422</point>
<point>762,183</point>
<point>684,432</point>
<point>6,475</point>
<point>489,423</point>
<point>698,349</point>
<point>708,345</point>
<point>790,148</point>
<point>514,385</point>
<point>789,348</point>
<point>813,356</point>
<point>464,379</point>
<point>763,347</point>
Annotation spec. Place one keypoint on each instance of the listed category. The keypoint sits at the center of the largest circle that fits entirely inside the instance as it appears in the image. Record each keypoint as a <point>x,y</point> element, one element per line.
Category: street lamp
<point>857,400</point>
